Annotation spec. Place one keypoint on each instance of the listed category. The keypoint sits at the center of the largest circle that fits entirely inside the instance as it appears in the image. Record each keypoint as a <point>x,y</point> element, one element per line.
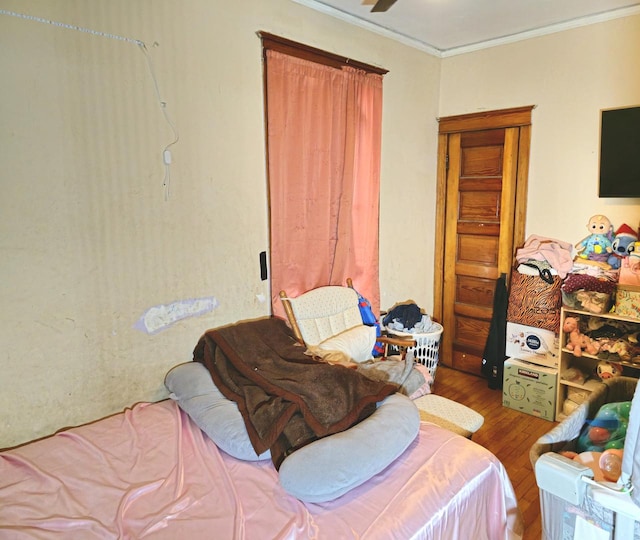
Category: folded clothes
<point>556,252</point>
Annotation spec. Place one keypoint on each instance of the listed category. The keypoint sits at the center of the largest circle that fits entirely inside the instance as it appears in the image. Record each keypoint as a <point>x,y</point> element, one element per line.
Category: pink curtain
<point>324,138</point>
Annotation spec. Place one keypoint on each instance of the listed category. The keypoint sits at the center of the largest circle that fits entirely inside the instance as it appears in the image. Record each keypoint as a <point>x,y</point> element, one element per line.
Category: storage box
<point>530,388</point>
<point>628,301</point>
<point>532,344</point>
<point>630,271</point>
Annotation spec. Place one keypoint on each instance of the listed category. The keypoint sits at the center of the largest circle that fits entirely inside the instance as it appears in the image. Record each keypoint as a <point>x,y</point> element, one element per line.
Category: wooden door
<point>483,164</point>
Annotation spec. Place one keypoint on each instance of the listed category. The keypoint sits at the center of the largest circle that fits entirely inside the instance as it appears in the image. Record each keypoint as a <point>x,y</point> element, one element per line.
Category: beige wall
<point>88,241</point>
<point>569,77</point>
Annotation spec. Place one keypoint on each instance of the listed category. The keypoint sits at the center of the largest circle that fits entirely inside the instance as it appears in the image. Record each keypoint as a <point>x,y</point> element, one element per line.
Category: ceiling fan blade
<point>383,5</point>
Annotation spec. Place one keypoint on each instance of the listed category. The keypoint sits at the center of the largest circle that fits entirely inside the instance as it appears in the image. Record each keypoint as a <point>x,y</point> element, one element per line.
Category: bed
<point>150,472</point>
<point>154,471</point>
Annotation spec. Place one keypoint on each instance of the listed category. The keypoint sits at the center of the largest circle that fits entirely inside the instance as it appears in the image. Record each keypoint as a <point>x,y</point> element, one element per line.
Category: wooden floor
<point>507,433</point>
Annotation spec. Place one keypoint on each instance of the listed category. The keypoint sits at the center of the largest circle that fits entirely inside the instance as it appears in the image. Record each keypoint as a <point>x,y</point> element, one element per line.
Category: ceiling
<point>449,27</point>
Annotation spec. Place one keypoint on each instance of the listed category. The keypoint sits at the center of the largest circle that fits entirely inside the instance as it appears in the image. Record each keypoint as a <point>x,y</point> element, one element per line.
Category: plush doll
<point>597,245</point>
<point>576,340</point>
<point>634,257</point>
<point>623,244</point>
<point>608,370</point>
<point>612,349</point>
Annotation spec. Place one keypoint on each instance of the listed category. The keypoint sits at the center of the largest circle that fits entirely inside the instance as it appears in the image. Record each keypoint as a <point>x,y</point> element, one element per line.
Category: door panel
<point>475,291</point>
<point>479,206</point>
<point>483,161</point>
<point>477,249</point>
<point>467,331</point>
<point>478,245</point>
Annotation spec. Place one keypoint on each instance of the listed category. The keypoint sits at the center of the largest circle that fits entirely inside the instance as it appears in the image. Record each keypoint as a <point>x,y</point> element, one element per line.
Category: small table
<point>449,414</point>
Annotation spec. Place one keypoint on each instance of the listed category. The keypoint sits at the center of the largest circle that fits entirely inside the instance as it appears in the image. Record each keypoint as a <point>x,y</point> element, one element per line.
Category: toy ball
<point>610,464</point>
<point>599,435</point>
<point>616,444</point>
<point>607,430</point>
<point>608,416</point>
<point>619,411</point>
<point>624,409</point>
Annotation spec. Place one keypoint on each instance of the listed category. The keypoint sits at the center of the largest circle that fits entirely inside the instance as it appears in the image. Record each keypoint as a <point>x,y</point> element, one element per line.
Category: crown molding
<point>381,30</point>
<point>543,31</point>
<point>454,51</point>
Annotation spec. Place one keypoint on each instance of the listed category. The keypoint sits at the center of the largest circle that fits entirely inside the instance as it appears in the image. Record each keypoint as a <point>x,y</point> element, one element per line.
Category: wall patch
<point>158,318</point>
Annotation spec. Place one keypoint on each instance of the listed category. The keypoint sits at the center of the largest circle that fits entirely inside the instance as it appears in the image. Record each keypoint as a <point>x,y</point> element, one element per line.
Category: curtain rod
<point>300,50</point>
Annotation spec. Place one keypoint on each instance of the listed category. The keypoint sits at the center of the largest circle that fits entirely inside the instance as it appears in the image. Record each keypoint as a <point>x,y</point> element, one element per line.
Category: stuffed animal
<point>576,340</point>
<point>612,349</point>
<point>608,370</point>
<point>623,244</point>
<point>596,246</point>
<point>634,257</point>
<point>573,375</point>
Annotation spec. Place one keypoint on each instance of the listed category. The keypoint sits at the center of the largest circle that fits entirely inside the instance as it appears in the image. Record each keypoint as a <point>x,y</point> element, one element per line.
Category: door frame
<point>505,118</point>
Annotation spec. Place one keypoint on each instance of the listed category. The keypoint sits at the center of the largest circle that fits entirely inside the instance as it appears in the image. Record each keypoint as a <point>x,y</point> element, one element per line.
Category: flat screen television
<point>620,153</point>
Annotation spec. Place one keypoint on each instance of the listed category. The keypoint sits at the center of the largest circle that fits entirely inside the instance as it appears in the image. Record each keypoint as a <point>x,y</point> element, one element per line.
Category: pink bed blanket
<point>151,473</point>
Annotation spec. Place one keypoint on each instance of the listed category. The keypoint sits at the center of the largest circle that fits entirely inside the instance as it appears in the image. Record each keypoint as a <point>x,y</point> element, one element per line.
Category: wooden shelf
<point>608,315</point>
<point>576,385</point>
<point>626,363</point>
<point>586,362</point>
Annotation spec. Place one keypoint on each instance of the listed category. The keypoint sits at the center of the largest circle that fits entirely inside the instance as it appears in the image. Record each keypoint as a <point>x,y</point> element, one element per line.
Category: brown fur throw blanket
<point>287,399</point>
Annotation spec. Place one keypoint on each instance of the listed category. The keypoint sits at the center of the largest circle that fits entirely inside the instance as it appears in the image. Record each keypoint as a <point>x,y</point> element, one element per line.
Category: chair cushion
<point>332,466</point>
<point>357,342</point>
<point>449,414</point>
<point>193,389</point>
<point>326,311</point>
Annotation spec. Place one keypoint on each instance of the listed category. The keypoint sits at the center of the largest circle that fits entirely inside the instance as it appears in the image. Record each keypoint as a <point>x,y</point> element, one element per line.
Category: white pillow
<point>357,342</point>
<point>193,389</point>
<point>332,466</point>
<point>318,472</point>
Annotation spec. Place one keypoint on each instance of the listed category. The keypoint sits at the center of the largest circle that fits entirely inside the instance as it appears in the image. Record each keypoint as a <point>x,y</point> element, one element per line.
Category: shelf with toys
<point>600,315</point>
<point>593,347</point>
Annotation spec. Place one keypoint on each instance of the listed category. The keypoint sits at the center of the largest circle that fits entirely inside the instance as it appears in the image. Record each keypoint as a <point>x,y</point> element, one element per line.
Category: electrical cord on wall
<point>166,153</point>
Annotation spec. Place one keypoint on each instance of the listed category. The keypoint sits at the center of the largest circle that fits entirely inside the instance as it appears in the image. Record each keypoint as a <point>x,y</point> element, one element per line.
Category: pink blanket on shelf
<point>151,473</point>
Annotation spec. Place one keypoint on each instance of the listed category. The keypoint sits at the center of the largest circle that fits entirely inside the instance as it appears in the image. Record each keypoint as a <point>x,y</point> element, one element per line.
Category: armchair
<point>329,318</point>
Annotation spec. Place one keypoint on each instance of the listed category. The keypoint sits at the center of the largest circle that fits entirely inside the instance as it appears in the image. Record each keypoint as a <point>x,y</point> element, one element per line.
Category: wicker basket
<point>427,347</point>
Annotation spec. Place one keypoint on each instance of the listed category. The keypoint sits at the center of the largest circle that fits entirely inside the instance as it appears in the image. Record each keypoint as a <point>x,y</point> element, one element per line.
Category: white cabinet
<point>587,363</point>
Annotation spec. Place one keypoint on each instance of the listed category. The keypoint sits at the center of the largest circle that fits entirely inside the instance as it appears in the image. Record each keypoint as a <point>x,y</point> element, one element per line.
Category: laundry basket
<point>426,348</point>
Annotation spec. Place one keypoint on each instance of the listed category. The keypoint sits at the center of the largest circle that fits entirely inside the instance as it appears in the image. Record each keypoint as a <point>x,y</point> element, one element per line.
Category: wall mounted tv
<point>620,153</point>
